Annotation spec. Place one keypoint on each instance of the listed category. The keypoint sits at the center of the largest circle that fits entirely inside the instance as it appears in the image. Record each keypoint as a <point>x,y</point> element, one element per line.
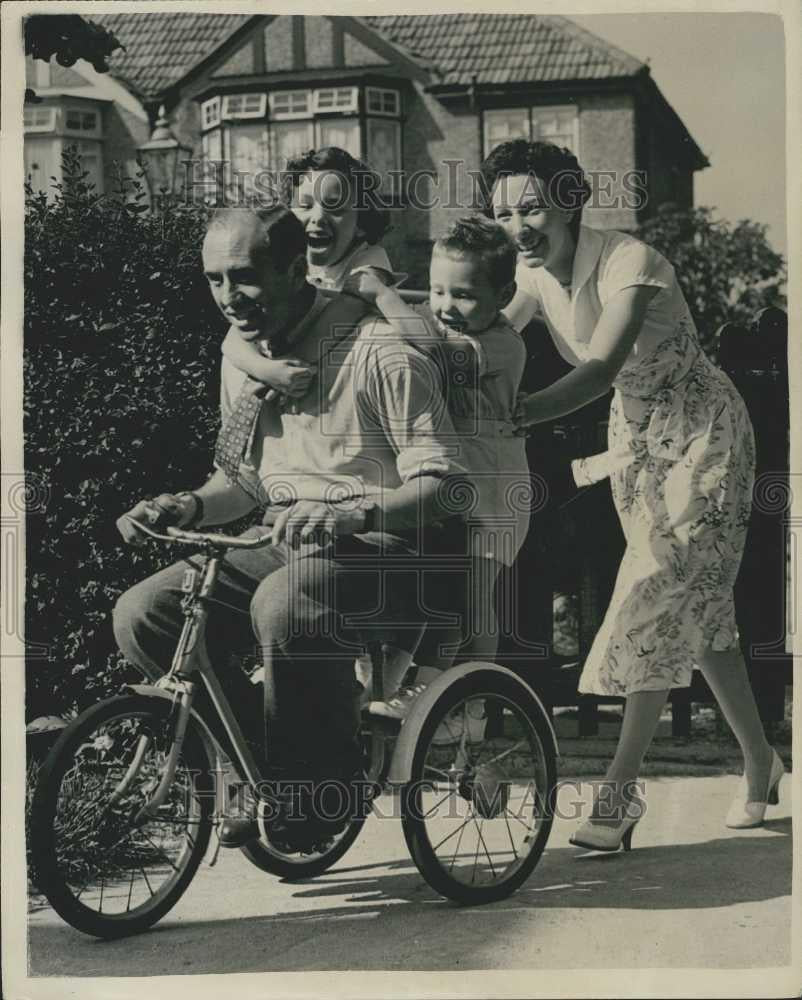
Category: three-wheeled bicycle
<point>132,791</point>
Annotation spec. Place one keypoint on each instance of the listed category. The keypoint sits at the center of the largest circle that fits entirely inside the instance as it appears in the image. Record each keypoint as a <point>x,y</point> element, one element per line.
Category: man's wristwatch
<point>197,514</point>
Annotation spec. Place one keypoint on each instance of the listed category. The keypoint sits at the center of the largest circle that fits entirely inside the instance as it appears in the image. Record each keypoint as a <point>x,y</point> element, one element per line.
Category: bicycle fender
<point>401,763</point>
<point>149,691</point>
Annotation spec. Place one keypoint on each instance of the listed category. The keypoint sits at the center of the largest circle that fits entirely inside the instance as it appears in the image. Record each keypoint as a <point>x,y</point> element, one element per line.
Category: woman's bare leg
<point>641,715</point>
<point>726,676</point>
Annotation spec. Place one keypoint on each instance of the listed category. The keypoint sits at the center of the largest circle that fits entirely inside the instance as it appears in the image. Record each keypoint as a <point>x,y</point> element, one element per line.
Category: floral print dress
<point>681,464</point>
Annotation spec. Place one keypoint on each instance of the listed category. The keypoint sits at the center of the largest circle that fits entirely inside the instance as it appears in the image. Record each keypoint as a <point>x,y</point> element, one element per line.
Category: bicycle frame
<point>191,658</point>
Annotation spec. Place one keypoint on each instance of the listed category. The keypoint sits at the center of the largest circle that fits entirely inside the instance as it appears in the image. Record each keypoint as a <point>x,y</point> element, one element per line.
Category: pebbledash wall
<point>626,136</point>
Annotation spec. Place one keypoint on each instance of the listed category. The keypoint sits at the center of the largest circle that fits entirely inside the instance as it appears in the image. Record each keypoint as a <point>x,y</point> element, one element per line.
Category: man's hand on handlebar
<point>163,511</point>
<point>314,521</point>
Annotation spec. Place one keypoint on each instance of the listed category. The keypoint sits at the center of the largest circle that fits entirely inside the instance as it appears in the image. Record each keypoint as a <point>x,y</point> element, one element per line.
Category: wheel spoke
<point>448,795</point>
<point>436,770</point>
<point>484,845</point>
<point>456,849</point>
<point>147,880</point>
<point>452,834</point>
<point>130,893</point>
<point>505,753</point>
<point>509,834</point>
<point>160,850</point>
<point>529,829</point>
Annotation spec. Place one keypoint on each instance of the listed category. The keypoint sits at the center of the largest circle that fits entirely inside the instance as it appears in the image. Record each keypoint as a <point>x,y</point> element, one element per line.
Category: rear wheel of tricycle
<point>478,809</point>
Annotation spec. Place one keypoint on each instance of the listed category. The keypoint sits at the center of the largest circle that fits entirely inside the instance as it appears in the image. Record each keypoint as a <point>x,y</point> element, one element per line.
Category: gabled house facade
<point>421,98</point>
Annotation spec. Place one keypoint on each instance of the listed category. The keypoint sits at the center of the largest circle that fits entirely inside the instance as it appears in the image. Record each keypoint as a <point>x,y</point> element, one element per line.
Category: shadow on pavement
<point>392,918</point>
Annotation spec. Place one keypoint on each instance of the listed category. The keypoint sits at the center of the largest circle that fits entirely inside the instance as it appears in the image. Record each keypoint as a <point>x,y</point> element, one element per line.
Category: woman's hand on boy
<point>524,411</point>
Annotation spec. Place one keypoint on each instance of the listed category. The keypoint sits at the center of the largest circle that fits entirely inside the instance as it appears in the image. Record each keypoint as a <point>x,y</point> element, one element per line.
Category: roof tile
<point>160,48</point>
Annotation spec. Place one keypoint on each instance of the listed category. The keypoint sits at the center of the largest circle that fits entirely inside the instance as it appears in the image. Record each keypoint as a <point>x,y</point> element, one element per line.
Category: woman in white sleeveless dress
<point>680,460</point>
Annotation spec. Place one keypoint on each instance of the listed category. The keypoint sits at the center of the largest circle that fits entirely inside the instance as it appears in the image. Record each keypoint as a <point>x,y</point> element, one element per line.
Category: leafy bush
<point>727,273</point>
<point>121,369</point>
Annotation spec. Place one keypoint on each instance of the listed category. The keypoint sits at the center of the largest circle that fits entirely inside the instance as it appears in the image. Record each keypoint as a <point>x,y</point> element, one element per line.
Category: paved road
<point>690,894</point>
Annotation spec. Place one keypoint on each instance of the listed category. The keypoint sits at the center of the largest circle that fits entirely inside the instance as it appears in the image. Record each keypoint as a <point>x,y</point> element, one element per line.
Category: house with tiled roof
<point>420,98</point>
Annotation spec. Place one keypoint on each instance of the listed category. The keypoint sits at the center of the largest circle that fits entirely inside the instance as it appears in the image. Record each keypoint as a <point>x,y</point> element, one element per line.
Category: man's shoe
<point>399,705</point>
<point>238,832</point>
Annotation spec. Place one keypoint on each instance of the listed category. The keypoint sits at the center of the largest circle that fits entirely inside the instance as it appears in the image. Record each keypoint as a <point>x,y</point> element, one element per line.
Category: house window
<point>337,99</point>
<point>302,119</point>
<point>210,113</point>
<point>247,149</point>
<point>244,106</point>
<point>39,119</point>
<point>502,126</point>
<point>91,155</point>
<point>382,102</point>
<point>342,132</point>
<point>556,124</point>
<point>384,148</point>
<point>289,140</point>
<point>42,157</point>
<point>77,120</point>
<point>212,146</point>
<point>290,104</point>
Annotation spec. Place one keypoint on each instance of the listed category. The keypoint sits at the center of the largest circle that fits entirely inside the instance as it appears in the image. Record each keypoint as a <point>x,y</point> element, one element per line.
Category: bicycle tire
<point>78,759</point>
<point>519,703</point>
<point>272,860</point>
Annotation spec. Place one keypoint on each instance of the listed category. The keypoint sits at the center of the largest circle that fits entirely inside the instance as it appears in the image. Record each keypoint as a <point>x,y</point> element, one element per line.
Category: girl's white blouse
<point>333,276</point>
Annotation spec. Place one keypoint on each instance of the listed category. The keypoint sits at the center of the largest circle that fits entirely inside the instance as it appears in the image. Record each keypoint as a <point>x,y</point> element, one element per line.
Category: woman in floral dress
<point>680,459</point>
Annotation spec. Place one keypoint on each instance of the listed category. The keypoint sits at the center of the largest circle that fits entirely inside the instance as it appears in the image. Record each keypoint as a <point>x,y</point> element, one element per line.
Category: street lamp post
<point>160,157</point>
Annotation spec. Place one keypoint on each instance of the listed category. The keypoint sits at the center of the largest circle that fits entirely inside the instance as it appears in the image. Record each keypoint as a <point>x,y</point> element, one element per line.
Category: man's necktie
<point>236,433</point>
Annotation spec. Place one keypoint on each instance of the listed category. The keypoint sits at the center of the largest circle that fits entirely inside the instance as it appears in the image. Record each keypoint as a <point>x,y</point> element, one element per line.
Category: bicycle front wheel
<point>106,869</point>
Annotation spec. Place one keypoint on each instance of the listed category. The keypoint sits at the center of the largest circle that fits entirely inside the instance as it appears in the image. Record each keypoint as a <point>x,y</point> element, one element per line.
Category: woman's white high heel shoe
<point>601,837</point>
<point>745,814</point>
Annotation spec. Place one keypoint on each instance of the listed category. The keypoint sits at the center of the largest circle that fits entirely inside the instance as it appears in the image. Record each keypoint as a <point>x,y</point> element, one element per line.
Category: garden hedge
<point>121,368</point>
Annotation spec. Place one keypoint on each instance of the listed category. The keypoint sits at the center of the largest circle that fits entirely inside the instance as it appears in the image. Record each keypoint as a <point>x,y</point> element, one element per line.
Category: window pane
<point>244,105</point>
<point>285,103</point>
<point>502,126</point>
<point>91,161</point>
<point>342,132</point>
<point>39,119</point>
<point>288,141</point>
<point>555,125</point>
<point>248,148</point>
<point>42,161</point>
<point>384,148</point>
<point>210,112</point>
<point>336,99</point>
<point>81,121</point>
<point>383,102</point>
<point>212,146</point>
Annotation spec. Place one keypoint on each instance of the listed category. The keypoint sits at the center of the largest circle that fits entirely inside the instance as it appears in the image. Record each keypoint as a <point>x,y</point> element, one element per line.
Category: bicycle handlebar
<point>181,537</point>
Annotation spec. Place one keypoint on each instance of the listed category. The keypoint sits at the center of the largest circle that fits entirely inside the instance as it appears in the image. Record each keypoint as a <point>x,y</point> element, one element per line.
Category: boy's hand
<point>292,376</point>
<point>368,283</point>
